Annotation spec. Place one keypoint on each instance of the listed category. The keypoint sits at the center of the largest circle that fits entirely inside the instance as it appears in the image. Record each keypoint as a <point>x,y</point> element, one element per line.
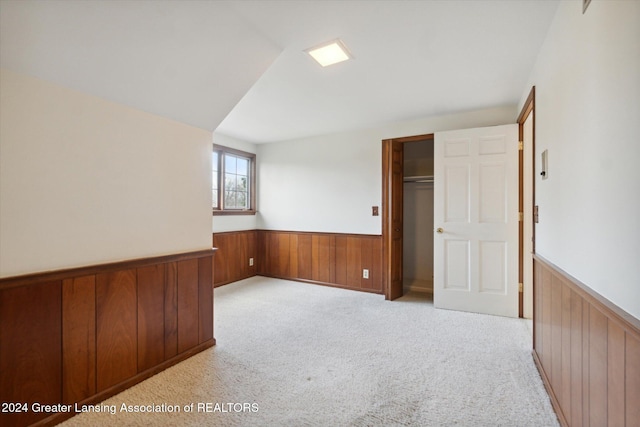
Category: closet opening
<point>417,246</point>
<point>407,238</point>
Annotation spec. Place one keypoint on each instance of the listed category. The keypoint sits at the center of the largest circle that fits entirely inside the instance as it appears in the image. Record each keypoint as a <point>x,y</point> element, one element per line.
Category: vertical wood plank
<point>237,264</point>
<point>187,304</point>
<point>293,256</point>
<point>252,249</point>
<point>151,297</point>
<point>284,259</point>
<point>78,338</point>
<point>315,257</point>
<point>305,256</point>
<point>376,265</point>
<point>354,269</point>
<point>31,351</point>
<point>632,379</point>
<point>263,250</point>
<point>205,299</point>
<point>556,335</point>
<point>116,307</point>
<point>221,241</point>
<point>327,262</point>
<point>598,331</point>
<point>615,375</point>
<point>171,311</point>
<point>586,336</point>
<point>341,260</point>
<point>366,260</point>
<point>565,392</point>
<point>546,322</point>
<point>537,308</point>
<point>333,263</point>
<point>576,359</point>
<point>273,248</point>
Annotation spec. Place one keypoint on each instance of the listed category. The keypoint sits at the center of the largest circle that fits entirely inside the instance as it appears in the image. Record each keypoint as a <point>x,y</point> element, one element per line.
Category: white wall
<point>587,79</point>
<point>86,181</point>
<point>329,183</point>
<point>223,223</point>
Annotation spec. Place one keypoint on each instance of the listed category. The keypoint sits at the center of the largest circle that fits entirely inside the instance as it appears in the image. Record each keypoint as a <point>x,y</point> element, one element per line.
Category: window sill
<point>230,212</point>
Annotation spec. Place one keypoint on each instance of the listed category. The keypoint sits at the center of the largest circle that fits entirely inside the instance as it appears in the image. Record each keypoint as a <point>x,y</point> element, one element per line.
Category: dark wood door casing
<point>527,109</point>
<point>392,212</point>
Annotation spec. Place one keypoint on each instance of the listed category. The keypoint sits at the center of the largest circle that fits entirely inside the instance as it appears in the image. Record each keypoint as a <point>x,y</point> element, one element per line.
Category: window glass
<point>231,176</point>
<point>214,180</point>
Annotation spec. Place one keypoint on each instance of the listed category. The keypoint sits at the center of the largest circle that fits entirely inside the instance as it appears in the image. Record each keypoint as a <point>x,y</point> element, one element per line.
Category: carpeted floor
<point>294,354</point>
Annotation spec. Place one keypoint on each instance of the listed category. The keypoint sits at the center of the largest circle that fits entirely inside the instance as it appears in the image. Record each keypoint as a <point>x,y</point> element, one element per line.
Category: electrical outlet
<point>365,274</point>
<point>250,262</point>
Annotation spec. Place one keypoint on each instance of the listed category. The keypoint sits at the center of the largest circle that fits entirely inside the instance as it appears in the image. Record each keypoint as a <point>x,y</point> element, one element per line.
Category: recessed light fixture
<point>330,53</point>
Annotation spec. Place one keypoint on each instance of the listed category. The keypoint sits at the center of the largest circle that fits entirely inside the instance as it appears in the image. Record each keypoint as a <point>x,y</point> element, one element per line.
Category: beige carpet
<point>293,354</point>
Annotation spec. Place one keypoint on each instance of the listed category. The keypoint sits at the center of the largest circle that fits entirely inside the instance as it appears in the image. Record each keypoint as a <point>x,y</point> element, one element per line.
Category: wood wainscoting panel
<point>151,295</point>
<point>293,256</point>
<point>615,375</point>
<point>354,262</point>
<point>341,260</point>
<point>171,310</point>
<point>597,367</point>
<point>188,294</point>
<point>282,253</point>
<point>205,300</point>
<point>632,377</point>
<point>116,327</point>
<point>78,338</point>
<point>575,416</point>
<point>332,259</point>
<point>587,351</point>
<point>323,255</point>
<point>30,354</point>
<point>305,256</point>
<point>82,335</point>
<point>235,249</point>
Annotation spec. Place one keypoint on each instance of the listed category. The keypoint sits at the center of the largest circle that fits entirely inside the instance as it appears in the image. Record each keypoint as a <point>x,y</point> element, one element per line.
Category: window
<point>233,187</point>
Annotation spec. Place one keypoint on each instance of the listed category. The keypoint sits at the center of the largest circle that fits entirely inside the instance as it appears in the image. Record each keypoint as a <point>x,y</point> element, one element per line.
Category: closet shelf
<point>424,178</point>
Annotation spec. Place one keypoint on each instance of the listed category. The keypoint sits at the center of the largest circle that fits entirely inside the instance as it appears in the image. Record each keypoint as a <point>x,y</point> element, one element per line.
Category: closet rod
<point>418,179</point>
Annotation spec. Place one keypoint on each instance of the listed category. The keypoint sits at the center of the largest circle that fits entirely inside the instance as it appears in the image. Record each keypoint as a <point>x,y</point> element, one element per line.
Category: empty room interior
<point>357,213</point>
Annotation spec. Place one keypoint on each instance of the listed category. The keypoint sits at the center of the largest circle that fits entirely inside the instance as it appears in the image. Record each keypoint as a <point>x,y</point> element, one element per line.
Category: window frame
<point>222,151</point>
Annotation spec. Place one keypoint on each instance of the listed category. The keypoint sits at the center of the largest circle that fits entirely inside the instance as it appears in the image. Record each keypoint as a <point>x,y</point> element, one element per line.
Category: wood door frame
<point>527,109</point>
<point>387,194</point>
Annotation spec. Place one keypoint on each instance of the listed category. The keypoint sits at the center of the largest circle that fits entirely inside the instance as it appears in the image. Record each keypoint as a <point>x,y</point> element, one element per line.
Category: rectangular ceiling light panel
<point>330,53</point>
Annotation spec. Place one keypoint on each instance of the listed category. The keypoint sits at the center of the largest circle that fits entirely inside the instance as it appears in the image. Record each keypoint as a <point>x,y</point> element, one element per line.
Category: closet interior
<point>418,216</point>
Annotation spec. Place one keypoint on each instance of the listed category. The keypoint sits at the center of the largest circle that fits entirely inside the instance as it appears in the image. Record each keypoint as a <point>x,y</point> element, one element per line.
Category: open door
<point>476,219</point>
<point>392,159</point>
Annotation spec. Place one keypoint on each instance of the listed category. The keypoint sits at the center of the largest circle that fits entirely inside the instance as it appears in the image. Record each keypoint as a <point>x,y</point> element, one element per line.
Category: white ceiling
<point>190,61</point>
<point>239,66</point>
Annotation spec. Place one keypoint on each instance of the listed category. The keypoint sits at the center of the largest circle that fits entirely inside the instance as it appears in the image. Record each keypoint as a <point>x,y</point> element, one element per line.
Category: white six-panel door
<point>476,220</point>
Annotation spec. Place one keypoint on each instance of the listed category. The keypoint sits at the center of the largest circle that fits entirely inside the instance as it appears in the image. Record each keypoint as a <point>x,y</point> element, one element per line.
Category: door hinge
<point>520,287</point>
<point>520,145</point>
<point>520,216</point>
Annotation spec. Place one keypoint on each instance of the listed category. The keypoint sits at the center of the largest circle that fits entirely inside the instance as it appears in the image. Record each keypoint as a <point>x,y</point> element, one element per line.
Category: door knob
<point>440,230</point>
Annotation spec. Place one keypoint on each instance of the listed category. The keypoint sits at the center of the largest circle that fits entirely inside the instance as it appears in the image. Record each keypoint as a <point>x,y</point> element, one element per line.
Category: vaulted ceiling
<point>239,67</point>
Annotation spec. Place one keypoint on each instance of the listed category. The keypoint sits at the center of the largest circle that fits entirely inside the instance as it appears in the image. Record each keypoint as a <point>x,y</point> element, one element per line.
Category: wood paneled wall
<point>322,258</point>
<point>82,335</point>
<point>587,351</point>
<point>235,248</point>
